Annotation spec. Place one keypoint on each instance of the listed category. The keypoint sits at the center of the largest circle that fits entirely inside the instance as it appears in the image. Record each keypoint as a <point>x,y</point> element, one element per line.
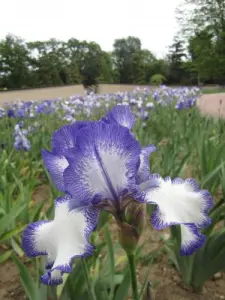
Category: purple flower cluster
<point>142,102</point>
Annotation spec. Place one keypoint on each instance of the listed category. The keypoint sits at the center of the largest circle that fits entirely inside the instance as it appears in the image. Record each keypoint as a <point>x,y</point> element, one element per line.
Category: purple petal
<point>144,169</point>
<point>105,163</point>
<point>56,166</point>
<point>122,115</point>
<point>65,138</point>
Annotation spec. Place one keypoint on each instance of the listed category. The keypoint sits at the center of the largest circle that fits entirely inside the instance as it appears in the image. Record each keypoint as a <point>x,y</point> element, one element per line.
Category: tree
<point>47,66</point>
<point>203,23</point>
<point>176,56</point>
<point>157,79</point>
<point>196,15</point>
<point>149,61</point>
<point>138,75</point>
<point>124,50</point>
<point>54,62</point>
<point>14,63</point>
<point>201,50</point>
<point>106,68</point>
<point>90,63</point>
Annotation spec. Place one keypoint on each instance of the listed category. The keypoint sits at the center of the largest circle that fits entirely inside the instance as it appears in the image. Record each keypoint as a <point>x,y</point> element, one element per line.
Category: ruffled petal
<point>191,239</point>
<point>65,138</point>
<point>56,166</point>
<point>63,143</point>
<point>62,239</point>
<point>54,277</point>
<point>179,202</point>
<point>122,115</point>
<point>105,163</point>
<point>144,169</point>
<point>152,182</point>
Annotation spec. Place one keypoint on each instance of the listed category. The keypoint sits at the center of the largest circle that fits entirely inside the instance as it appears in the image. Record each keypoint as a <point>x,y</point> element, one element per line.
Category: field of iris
<point>188,145</point>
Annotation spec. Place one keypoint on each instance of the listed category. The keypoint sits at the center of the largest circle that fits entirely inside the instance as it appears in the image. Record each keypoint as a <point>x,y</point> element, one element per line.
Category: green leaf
<point>35,216</point>
<point>204,263</point>
<point>123,289</point>
<point>146,280</point>
<point>6,221</point>
<point>111,261</point>
<point>215,216</point>
<point>117,279</point>
<point>211,175</point>
<point>210,259</point>
<point>173,257</point>
<point>182,263</point>
<point>28,283</point>
<point>103,219</point>
<point>17,248</point>
<point>5,256</point>
<point>8,235</point>
<point>59,289</point>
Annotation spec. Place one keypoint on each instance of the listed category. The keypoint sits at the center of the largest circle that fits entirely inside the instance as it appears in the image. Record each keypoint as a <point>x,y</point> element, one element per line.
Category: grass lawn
<point>214,90</point>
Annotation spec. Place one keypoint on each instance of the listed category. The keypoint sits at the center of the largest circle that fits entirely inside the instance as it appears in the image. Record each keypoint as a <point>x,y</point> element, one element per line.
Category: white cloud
<point>102,21</point>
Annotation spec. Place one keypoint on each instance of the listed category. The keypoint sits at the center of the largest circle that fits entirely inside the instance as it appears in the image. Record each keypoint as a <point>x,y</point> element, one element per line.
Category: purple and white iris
<point>101,165</point>
<point>21,142</point>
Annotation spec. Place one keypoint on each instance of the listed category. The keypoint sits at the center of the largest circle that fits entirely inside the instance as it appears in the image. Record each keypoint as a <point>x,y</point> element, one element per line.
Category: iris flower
<point>21,142</point>
<point>100,165</point>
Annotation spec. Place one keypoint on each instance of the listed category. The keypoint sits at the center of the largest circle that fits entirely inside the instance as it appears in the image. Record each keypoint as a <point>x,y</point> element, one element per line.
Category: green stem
<point>89,286</point>
<point>131,262</point>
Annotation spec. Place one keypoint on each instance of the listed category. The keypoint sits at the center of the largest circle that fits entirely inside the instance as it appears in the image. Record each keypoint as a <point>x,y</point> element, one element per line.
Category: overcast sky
<point>102,21</point>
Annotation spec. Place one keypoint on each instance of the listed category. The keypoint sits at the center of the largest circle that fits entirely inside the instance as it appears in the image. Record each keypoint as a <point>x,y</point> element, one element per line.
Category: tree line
<point>197,55</point>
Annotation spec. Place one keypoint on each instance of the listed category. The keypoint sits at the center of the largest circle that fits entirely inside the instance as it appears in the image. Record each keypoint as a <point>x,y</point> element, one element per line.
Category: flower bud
<point>135,215</point>
<point>128,237</point>
<point>131,229</point>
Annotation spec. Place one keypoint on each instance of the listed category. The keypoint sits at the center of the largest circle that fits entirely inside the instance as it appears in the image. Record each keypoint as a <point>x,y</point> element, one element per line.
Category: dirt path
<point>213,104</point>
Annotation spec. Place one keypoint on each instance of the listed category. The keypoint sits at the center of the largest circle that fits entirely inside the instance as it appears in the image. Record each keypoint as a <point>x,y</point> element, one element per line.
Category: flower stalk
<point>132,267</point>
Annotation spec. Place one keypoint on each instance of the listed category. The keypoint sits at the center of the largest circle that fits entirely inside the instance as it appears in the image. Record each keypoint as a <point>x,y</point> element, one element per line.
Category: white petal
<point>191,239</point>
<point>63,238</point>
<point>179,202</point>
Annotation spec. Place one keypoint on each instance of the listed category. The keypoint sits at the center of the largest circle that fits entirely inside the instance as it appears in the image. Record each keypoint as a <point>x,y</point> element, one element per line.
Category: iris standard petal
<point>179,202</point>
<point>65,138</point>
<point>62,239</point>
<point>105,163</point>
<point>144,169</point>
<point>122,115</point>
<point>63,143</point>
<point>56,166</point>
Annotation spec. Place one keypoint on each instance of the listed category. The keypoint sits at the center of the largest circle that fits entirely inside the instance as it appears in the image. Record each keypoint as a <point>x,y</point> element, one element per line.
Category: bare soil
<point>167,284</point>
<point>212,104</point>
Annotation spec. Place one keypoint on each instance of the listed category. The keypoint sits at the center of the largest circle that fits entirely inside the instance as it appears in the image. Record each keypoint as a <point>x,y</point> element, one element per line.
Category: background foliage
<point>197,55</point>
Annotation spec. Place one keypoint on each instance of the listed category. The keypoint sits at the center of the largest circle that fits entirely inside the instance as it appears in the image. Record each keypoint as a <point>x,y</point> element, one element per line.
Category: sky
<point>102,21</point>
